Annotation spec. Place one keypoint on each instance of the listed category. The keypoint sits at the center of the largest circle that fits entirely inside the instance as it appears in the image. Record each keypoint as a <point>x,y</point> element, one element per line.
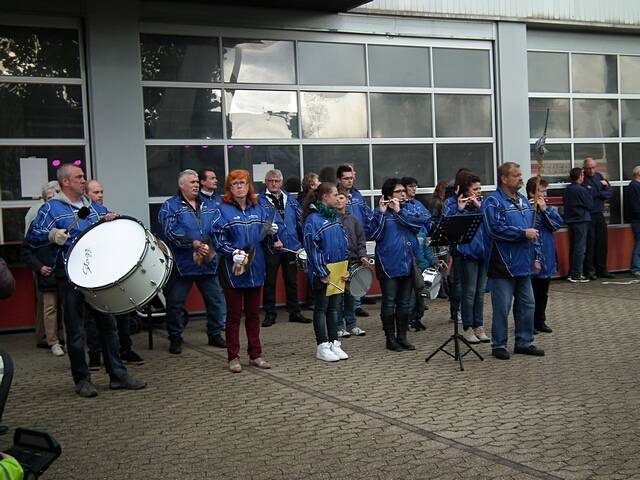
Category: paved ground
<point>572,414</point>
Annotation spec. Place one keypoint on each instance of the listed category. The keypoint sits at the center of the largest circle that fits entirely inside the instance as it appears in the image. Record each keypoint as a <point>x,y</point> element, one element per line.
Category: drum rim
<point>356,268</point>
<point>126,275</point>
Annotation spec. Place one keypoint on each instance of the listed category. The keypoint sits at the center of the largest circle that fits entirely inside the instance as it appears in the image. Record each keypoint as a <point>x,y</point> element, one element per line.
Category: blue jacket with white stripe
<point>475,248</point>
<point>548,222</point>
<point>289,227</point>
<point>325,241</point>
<point>357,206</point>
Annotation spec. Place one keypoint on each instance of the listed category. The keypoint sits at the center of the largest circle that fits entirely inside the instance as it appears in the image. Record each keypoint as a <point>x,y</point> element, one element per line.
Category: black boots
<point>395,329</point>
<point>402,324</point>
<point>389,327</point>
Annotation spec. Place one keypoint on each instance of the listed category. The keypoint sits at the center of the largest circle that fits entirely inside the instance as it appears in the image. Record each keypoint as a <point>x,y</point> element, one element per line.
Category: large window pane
<point>595,118</point>
<point>629,74</point>
<point>476,156</point>
<point>261,114</point>
<point>463,116</point>
<point>13,224</point>
<point>559,123</point>
<point>399,66</point>
<point>594,73</point>
<point>334,115</point>
<point>39,52</point>
<point>182,113</point>
<point>557,162</point>
<point>548,72</point>
<point>324,159</point>
<point>154,224</point>
<point>50,158</point>
<point>258,61</point>
<point>400,115</point>
<point>403,161</point>
<point>285,158</point>
<point>631,118</point>
<point>457,68</point>
<point>180,59</point>
<point>164,164</point>
<point>606,157</point>
<point>40,111</point>
<point>630,159</point>
<point>331,63</point>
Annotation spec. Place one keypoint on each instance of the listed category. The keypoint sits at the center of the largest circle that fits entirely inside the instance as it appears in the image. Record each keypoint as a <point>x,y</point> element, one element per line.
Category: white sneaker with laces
<point>469,336</point>
<point>358,332</point>
<point>479,332</point>
<point>324,353</point>
<point>336,347</point>
<point>57,350</point>
<point>343,334</point>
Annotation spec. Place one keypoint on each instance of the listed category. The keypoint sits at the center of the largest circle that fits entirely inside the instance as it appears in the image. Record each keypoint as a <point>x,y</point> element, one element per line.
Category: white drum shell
<point>360,280</point>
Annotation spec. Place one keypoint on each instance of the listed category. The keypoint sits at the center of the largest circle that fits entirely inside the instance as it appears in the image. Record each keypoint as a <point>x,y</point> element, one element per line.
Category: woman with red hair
<point>239,226</point>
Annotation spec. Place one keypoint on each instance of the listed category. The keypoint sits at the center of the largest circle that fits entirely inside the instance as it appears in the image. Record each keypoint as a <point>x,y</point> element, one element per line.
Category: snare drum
<point>118,265</point>
<point>360,279</point>
<point>432,281</point>
<point>301,260</point>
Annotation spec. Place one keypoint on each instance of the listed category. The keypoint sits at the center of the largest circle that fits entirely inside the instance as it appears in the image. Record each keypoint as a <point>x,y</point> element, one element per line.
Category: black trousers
<point>273,262</point>
<point>595,260</point>
<point>541,296</point>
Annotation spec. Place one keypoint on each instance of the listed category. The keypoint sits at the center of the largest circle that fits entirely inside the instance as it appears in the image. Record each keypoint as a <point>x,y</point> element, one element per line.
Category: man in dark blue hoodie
<point>632,197</point>
<point>595,260</point>
<point>577,207</point>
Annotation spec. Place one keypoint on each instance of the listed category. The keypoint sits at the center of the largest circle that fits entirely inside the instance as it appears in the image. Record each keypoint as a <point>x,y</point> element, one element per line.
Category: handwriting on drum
<point>86,265</point>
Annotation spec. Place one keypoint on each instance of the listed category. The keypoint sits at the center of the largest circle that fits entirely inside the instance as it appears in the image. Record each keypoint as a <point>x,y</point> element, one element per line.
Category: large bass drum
<point>118,265</point>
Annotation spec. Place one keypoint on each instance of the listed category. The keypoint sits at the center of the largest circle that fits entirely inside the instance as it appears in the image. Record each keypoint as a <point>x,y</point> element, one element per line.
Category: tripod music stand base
<point>456,338</point>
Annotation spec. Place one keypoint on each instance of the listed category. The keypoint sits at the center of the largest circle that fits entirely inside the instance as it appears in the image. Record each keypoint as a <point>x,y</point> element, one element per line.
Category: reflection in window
<point>334,115</point>
<point>399,66</point>
<point>13,224</point>
<point>400,115</point>
<point>182,113</point>
<point>629,74</point>
<point>165,162</point>
<point>10,180</point>
<point>154,224</point>
<point>463,115</point>
<point>476,156</point>
<point>594,73</point>
<point>630,118</point>
<point>324,159</point>
<point>612,211</point>
<point>285,158</point>
<point>593,118</point>
<point>258,61</point>
<point>403,161</point>
<point>179,58</point>
<point>39,52</point>
<point>606,157</point>
<point>40,111</point>
<point>559,122</point>
<point>630,158</point>
<point>557,162</point>
<point>331,63</point>
<point>261,114</point>
<point>452,67</point>
<point>548,72</point>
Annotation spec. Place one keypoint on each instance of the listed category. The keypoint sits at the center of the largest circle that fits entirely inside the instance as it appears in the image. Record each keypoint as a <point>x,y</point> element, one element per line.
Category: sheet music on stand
<point>459,229</point>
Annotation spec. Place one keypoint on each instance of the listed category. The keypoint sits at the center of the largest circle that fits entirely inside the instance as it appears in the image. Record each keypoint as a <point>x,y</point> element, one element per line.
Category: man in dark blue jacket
<point>577,215</point>
<point>595,260</point>
<point>512,257</point>
<point>633,207</point>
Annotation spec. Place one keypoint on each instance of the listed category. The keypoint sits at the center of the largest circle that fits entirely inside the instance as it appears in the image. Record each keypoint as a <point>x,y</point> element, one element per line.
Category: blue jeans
<point>325,313</point>
<point>347,311</point>
<point>209,286</point>
<point>635,255</point>
<point>578,233</point>
<point>73,308</point>
<point>474,283</point>
<point>503,291</point>
<point>396,296</point>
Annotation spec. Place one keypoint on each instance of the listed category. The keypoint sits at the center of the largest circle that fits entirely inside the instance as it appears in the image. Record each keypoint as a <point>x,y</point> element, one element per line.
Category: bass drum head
<point>360,281</point>
<point>106,253</point>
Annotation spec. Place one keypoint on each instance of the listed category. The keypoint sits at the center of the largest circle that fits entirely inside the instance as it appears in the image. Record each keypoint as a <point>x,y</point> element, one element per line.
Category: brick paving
<point>572,414</point>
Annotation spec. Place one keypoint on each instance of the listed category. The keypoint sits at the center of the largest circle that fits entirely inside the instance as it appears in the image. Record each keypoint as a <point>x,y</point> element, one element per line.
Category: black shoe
<point>361,312</point>
<point>85,389</point>
<point>392,344</point>
<point>94,362</point>
<point>43,344</point>
<point>269,319</point>
<point>530,350</point>
<point>175,346</point>
<point>501,353</point>
<point>131,358</point>
<point>217,341</point>
<point>578,278</point>
<point>299,318</point>
<point>591,276</point>
<point>128,384</point>
<point>606,275</point>
<point>544,328</point>
<point>368,301</point>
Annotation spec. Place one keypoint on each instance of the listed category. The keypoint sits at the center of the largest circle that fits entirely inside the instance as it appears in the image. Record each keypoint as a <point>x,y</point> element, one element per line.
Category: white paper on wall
<point>33,175</point>
<point>260,170</point>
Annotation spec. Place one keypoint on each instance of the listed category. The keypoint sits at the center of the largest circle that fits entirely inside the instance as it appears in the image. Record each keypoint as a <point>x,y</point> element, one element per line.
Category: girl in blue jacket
<point>325,242</point>
<point>394,227</point>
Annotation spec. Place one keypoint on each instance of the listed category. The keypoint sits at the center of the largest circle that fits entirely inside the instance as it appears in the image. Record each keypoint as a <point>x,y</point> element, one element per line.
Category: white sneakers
<point>479,332</point>
<point>469,336</point>
<point>330,352</point>
<point>358,332</point>
<point>343,334</point>
<point>57,350</point>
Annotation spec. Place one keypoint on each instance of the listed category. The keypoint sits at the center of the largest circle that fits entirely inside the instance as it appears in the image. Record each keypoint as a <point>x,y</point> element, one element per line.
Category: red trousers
<point>239,299</point>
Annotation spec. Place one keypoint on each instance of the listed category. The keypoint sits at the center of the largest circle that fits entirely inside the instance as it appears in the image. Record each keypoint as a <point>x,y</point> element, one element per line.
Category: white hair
<point>636,171</point>
<point>273,173</point>
<point>186,173</point>
<point>50,187</point>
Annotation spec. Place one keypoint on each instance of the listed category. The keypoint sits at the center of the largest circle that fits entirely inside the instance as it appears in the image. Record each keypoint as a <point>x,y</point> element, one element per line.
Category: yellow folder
<point>336,272</point>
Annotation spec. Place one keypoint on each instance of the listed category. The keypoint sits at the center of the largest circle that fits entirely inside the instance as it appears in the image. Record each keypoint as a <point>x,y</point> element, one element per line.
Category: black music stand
<point>453,230</point>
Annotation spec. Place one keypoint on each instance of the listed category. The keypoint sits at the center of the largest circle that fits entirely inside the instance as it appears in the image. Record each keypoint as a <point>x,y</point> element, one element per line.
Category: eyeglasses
<point>399,191</point>
<point>238,184</point>
<point>273,180</point>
